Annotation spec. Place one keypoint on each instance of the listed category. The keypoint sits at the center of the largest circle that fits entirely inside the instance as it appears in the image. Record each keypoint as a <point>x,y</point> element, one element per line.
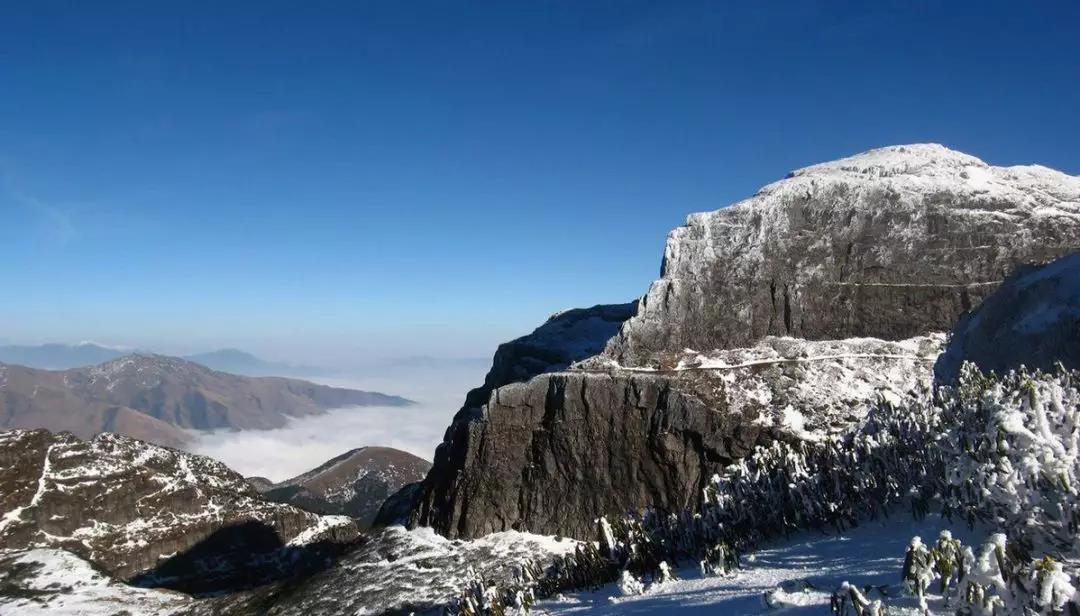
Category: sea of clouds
<point>438,389</point>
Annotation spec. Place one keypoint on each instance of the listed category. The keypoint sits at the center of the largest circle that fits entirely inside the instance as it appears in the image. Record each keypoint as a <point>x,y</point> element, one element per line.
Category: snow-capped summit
<point>909,159</point>
<point>924,167</point>
<point>890,243</point>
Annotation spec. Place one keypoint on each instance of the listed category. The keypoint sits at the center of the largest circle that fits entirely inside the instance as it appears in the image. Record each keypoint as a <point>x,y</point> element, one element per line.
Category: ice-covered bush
<point>1013,460</point>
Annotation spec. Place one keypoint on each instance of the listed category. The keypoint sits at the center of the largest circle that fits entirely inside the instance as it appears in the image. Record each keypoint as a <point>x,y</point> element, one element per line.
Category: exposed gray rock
<point>1033,320</point>
<point>552,454</point>
<point>566,337</point>
<point>891,243</point>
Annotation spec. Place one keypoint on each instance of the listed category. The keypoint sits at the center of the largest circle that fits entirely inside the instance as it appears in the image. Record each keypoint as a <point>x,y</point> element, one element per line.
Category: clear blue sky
<point>308,178</point>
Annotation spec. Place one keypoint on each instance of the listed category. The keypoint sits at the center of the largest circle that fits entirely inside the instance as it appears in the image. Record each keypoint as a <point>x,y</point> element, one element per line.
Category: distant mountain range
<point>59,356</point>
<point>242,362</point>
<point>156,398</point>
<point>83,354</point>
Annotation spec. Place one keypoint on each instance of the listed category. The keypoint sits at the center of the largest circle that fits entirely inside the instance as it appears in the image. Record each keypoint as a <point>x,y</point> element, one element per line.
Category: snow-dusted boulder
<point>1033,320</point>
<point>47,582</point>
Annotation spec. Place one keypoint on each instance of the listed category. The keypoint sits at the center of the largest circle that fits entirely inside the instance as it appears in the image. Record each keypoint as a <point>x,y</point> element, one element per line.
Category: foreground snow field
<point>798,575</point>
<point>47,582</point>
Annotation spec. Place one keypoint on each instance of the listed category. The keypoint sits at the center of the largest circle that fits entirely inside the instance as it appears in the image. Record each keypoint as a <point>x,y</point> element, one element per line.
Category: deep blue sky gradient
<point>332,179</point>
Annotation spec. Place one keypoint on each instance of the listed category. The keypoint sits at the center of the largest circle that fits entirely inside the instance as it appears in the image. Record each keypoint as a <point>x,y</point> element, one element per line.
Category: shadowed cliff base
<point>240,557</point>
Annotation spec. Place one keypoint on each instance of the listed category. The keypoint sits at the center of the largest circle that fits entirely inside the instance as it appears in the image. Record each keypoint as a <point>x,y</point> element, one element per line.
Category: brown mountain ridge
<point>156,398</point>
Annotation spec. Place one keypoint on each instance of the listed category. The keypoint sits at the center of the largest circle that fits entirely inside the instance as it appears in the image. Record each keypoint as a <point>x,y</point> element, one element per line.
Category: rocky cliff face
<point>1033,320</point>
<point>126,505</point>
<point>552,454</point>
<point>833,262</point>
<point>890,243</point>
<point>565,338</point>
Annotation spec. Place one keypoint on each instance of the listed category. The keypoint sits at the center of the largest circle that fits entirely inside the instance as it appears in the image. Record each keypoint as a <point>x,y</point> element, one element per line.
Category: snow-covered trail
<point>870,554</point>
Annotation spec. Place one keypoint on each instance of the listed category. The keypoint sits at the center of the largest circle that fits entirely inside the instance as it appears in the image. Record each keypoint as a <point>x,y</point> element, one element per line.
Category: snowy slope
<point>46,582</point>
<point>803,388</point>
<point>797,575</point>
<point>124,504</point>
<point>395,571</point>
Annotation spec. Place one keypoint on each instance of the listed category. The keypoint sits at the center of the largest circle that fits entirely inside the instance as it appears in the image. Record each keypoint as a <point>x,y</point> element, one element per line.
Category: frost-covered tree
<point>630,585</point>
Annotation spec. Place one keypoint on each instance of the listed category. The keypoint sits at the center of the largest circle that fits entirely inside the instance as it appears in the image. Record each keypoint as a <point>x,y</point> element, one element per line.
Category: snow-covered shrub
<point>1013,448</point>
<point>629,584</point>
<point>850,601</point>
<point>918,570</point>
<point>999,582</point>
<point>480,597</point>
<point>831,483</point>
<point>720,559</point>
<point>666,574</point>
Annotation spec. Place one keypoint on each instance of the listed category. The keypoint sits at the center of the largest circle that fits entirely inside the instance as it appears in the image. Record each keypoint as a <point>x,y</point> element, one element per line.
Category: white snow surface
<point>58,583</point>
<point>911,172</point>
<point>808,388</point>
<point>796,576</point>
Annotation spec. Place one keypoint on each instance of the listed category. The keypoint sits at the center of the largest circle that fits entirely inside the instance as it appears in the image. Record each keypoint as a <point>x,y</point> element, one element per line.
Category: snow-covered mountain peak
<point>890,243</point>
<point>911,175</point>
<point>911,159</point>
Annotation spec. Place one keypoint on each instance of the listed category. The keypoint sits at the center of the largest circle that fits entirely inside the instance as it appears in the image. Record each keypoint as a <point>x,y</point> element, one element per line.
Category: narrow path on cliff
<point>614,367</point>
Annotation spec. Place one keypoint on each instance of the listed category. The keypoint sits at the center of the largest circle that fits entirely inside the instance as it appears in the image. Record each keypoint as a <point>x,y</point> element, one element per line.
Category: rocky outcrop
<point>566,337</point>
<point>127,506</point>
<point>891,243</point>
<point>393,571</point>
<point>354,484</point>
<point>155,398</point>
<point>552,454</point>
<point>771,320</point>
<point>1033,320</point>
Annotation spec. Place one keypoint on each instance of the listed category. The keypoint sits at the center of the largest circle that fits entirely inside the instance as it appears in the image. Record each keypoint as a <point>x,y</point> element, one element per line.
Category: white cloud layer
<point>307,442</point>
